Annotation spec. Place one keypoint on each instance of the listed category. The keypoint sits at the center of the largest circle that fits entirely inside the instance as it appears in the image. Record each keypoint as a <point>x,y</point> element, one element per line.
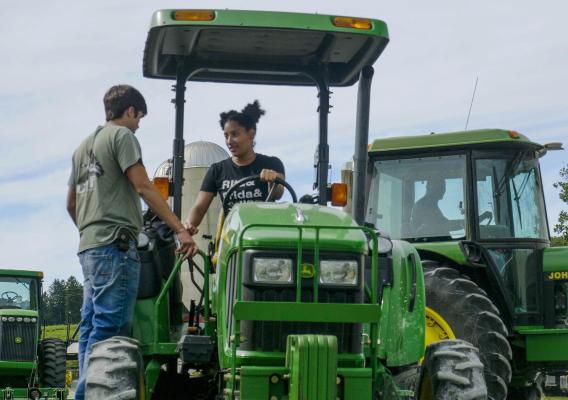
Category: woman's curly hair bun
<point>248,117</point>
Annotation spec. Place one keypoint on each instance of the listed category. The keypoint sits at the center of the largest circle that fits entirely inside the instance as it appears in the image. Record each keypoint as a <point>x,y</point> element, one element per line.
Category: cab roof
<point>20,273</point>
<point>262,47</point>
<point>482,138</point>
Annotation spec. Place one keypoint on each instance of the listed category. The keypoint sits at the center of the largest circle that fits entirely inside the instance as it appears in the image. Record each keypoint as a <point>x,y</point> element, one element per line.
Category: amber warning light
<point>354,23</point>
<point>194,15</point>
<point>163,186</point>
<point>338,194</point>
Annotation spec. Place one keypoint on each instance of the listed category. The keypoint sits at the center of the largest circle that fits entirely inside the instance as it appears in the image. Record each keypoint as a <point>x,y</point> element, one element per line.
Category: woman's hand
<point>192,230</point>
<point>269,175</point>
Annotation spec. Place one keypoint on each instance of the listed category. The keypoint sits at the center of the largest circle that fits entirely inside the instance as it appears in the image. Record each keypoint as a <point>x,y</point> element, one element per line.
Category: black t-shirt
<point>223,174</point>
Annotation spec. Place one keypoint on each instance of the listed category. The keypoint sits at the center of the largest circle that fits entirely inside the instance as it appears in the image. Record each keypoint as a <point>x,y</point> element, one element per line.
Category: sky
<point>59,58</point>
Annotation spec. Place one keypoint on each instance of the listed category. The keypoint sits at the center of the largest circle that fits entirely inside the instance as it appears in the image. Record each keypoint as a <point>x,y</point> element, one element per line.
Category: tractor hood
<point>276,226</point>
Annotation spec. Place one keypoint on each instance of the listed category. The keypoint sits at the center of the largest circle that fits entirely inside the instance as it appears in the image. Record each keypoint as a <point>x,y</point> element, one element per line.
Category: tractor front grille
<point>272,335</point>
<point>18,340</point>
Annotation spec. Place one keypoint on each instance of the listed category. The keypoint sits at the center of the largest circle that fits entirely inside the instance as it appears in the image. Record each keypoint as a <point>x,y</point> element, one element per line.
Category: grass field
<point>59,331</point>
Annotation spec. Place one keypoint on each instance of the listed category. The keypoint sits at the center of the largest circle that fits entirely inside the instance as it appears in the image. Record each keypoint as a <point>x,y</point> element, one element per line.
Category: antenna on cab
<point>471,104</point>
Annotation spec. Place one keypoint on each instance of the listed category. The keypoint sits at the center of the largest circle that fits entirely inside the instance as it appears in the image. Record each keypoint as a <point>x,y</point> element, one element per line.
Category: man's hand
<point>187,246</point>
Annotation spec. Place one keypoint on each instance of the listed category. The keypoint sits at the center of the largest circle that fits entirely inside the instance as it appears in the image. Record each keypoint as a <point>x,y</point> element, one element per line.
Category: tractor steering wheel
<point>9,295</point>
<point>252,178</point>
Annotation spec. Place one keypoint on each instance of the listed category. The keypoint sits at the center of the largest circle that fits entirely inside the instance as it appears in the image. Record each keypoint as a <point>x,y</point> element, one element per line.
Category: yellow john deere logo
<point>557,276</point>
<point>19,340</point>
<point>307,271</point>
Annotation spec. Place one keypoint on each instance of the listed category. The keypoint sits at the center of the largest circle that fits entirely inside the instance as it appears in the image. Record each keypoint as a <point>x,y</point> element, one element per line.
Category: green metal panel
<point>268,19</point>
<point>272,237</point>
<point>401,331</point>
<point>11,312</point>
<point>261,47</point>
<point>21,273</point>
<point>357,383</point>
<point>555,259</point>
<point>263,382</point>
<point>22,394</point>
<point>142,327</point>
<point>450,250</point>
<point>312,360</point>
<point>16,368</point>
<point>307,312</point>
<point>450,140</point>
<point>545,344</point>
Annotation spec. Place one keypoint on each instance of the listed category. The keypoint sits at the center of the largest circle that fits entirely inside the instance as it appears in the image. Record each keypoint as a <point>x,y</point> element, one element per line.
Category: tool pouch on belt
<point>123,239</point>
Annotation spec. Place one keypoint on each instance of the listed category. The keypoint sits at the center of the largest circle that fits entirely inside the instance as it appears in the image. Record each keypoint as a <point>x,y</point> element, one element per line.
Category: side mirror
<point>472,253</point>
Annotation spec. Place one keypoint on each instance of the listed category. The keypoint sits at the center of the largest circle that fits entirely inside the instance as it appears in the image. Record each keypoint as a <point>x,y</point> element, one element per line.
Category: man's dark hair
<point>119,98</point>
<point>247,118</point>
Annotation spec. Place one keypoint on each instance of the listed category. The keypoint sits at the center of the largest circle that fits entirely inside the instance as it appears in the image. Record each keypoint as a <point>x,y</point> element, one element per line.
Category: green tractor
<point>472,205</point>
<point>299,300</point>
<point>30,368</point>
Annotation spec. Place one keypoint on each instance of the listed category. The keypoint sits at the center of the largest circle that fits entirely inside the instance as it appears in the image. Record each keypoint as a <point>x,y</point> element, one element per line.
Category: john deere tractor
<point>30,368</point>
<point>472,205</point>
<point>300,301</point>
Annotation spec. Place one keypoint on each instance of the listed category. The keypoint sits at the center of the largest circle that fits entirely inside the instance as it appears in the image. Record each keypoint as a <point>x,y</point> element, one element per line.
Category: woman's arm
<point>198,210</point>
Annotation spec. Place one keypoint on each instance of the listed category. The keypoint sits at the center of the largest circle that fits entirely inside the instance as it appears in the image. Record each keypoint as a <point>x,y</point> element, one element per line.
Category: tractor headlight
<point>338,272</point>
<point>272,270</point>
<point>4,319</point>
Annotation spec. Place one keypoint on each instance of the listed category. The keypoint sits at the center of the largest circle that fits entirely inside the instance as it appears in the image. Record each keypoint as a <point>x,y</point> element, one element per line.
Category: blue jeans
<point>109,295</point>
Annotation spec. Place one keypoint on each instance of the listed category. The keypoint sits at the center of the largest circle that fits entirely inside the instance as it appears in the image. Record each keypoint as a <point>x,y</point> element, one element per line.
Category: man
<point>427,219</point>
<point>106,183</point>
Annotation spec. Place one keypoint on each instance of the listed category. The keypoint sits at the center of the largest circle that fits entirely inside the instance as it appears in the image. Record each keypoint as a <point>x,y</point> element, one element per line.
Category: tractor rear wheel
<point>452,370</point>
<point>52,363</point>
<point>115,370</point>
<point>532,392</point>
<point>470,315</point>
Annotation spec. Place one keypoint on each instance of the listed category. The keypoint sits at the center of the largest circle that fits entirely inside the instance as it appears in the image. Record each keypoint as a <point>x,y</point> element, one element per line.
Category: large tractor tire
<point>532,392</point>
<point>52,363</point>
<point>458,308</point>
<point>115,370</point>
<point>452,370</point>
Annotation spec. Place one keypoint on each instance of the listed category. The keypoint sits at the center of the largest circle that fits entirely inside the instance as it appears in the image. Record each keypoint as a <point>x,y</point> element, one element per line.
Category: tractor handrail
<point>168,284</point>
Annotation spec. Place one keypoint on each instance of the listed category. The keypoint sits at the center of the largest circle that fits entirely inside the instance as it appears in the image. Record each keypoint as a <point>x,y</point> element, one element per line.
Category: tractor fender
<point>401,331</point>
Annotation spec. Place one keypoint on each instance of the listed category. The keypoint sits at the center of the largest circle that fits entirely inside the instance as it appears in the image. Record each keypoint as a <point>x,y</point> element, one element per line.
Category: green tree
<point>73,299</point>
<point>56,302</point>
<point>561,228</point>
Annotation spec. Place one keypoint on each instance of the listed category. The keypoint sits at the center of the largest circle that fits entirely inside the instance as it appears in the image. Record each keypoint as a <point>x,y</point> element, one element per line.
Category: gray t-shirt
<point>105,198</point>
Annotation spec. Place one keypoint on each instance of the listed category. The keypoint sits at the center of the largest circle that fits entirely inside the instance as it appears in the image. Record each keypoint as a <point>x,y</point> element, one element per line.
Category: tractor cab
<point>472,204</point>
<point>19,293</point>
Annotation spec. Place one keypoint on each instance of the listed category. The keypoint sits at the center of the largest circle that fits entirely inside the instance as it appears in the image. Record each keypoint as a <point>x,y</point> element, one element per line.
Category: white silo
<point>198,157</point>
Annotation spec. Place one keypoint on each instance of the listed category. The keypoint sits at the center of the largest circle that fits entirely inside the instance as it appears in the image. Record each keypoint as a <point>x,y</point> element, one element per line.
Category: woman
<point>240,130</point>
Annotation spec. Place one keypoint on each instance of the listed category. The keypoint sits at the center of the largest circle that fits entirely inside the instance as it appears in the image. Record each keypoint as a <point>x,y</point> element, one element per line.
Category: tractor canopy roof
<point>261,47</point>
<point>483,138</point>
<point>16,273</point>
